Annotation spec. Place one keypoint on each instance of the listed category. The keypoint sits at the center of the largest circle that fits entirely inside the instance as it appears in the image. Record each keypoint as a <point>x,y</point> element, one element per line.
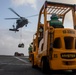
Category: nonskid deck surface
<point>11,65</point>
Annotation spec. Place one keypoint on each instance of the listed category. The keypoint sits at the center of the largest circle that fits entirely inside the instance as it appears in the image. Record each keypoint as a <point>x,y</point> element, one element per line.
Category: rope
<point>21,44</point>
<point>21,36</point>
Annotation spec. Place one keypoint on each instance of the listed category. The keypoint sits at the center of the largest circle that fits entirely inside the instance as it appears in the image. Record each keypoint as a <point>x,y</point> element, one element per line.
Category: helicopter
<point>20,22</point>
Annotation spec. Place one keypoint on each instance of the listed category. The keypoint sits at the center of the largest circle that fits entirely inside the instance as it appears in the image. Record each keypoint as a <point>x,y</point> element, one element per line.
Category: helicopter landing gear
<point>26,25</point>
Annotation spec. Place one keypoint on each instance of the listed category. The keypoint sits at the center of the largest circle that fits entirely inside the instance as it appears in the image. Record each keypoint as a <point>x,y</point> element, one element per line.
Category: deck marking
<point>21,60</point>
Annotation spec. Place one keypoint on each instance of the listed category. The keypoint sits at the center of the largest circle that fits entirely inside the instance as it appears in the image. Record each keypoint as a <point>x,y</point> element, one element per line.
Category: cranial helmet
<point>54,16</point>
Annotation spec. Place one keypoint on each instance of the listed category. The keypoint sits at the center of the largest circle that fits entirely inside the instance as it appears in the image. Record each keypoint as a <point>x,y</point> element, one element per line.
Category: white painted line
<point>21,60</point>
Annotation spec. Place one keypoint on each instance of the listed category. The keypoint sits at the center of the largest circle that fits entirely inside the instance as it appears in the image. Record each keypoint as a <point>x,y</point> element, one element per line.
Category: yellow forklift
<point>54,46</point>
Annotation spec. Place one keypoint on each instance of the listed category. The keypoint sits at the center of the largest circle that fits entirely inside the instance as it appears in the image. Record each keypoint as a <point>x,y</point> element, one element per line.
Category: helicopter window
<point>18,21</point>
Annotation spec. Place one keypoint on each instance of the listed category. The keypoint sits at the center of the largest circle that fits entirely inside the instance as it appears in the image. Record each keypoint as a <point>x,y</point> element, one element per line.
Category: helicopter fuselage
<point>21,22</point>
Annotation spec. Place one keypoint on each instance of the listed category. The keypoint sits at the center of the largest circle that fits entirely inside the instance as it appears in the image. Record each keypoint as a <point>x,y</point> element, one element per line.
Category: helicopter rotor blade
<point>11,18</point>
<point>15,12</point>
<point>32,15</point>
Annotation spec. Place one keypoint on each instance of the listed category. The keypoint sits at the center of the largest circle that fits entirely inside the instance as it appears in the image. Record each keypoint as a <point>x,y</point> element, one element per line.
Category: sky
<point>9,40</point>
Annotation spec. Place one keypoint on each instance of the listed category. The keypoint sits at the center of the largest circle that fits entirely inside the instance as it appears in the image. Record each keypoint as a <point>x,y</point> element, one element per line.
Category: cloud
<point>9,42</point>
<point>67,1</point>
<point>24,2</point>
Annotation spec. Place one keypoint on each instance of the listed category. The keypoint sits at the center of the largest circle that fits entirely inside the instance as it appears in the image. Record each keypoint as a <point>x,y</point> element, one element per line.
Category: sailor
<point>55,22</point>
